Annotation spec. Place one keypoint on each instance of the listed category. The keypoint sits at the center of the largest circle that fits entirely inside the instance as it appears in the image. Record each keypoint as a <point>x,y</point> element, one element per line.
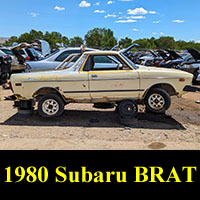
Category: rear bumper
<point>189,88</point>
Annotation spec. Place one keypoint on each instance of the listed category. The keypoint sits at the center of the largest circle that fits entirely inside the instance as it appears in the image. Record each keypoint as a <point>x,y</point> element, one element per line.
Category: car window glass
<point>7,51</point>
<point>65,54</point>
<point>94,63</point>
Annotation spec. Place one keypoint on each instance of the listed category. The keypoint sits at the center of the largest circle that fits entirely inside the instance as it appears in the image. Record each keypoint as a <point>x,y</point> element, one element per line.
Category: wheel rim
<point>156,101</point>
<point>50,107</point>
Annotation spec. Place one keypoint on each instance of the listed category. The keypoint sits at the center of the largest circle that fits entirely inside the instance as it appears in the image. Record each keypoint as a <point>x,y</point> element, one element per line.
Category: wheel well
<point>167,87</point>
<point>47,90</point>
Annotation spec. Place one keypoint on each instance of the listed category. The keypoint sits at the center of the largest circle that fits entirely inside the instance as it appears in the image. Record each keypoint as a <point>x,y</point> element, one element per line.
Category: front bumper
<point>189,88</point>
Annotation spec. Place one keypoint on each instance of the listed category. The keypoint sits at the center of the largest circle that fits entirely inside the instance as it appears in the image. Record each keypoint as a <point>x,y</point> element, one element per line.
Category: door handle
<point>94,75</point>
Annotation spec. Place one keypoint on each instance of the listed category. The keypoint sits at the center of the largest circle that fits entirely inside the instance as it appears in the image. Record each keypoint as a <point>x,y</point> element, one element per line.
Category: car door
<point>74,83</point>
<point>111,81</point>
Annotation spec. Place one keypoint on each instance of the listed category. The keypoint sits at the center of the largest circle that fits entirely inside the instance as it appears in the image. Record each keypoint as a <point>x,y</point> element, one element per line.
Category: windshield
<point>129,61</point>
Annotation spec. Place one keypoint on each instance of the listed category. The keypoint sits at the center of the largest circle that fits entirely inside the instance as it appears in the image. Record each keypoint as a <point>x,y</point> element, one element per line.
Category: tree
<point>100,38</point>
<point>165,43</point>
<point>76,42</point>
<point>125,42</point>
<point>11,40</point>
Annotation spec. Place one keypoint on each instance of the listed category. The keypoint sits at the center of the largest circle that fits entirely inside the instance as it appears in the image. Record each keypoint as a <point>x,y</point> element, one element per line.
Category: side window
<point>102,59</point>
<point>105,63</point>
<point>65,54</point>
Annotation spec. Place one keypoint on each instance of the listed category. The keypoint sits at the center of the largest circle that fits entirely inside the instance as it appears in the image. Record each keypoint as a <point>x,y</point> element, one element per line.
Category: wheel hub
<point>50,107</point>
<point>156,101</point>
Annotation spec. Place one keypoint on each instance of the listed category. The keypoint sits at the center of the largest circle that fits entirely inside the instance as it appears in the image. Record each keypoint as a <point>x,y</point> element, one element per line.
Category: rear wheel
<point>157,101</point>
<point>50,105</point>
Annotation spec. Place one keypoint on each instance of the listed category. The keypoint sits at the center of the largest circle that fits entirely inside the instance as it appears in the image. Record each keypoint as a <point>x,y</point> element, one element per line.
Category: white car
<point>53,60</point>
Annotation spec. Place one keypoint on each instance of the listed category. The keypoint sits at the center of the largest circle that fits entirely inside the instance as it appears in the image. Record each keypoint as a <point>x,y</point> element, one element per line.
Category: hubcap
<point>156,101</point>
<point>50,107</point>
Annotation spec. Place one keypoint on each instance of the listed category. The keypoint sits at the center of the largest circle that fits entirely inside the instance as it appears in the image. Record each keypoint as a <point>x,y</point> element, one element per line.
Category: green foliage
<point>125,42</point>
<point>103,38</point>
<point>100,38</point>
<point>76,42</point>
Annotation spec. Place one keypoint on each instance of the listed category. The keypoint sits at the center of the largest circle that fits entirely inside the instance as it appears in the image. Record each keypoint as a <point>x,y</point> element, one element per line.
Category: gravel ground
<point>83,127</point>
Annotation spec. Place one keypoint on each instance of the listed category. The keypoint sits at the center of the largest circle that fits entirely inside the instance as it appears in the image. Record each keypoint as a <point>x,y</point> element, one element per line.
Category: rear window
<point>65,54</point>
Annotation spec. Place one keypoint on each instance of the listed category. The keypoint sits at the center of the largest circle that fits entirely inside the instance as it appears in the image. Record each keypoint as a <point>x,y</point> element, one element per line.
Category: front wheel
<point>50,105</point>
<point>157,101</point>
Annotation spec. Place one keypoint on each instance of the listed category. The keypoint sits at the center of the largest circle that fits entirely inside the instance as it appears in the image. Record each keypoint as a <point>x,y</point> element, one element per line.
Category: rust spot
<point>18,96</point>
<point>84,85</point>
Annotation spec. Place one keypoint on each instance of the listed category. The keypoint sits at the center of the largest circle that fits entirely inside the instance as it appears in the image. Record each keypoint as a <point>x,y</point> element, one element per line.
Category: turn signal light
<point>18,84</point>
<point>181,80</point>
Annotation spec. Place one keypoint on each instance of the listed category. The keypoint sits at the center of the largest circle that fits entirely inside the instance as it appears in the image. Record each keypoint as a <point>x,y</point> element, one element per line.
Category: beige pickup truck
<point>116,80</point>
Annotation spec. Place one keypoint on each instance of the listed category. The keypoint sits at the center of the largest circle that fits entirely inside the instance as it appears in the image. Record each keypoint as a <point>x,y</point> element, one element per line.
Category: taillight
<point>28,58</point>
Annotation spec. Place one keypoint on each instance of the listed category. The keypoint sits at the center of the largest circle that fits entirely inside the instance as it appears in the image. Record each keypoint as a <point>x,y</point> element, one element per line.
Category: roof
<point>102,53</point>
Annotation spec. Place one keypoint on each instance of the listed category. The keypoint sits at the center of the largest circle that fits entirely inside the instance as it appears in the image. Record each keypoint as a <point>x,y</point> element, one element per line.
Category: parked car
<point>5,66</point>
<point>18,61</point>
<point>175,60</point>
<point>193,65</point>
<point>53,60</point>
<point>87,81</point>
<point>150,59</point>
<point>194,69</point>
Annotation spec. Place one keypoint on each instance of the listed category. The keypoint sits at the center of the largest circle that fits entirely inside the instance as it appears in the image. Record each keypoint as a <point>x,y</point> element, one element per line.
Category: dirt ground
<point>83,127</point>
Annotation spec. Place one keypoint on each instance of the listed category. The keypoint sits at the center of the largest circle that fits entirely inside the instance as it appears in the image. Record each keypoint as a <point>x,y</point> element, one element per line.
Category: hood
<point>45,47</point>
<point>153,53</point>
<point>173,54</point>
<point>195,54</point>
<point>15,49</point>
<point>168,71</point>
<point>162,54</point>
<point>129,48</point>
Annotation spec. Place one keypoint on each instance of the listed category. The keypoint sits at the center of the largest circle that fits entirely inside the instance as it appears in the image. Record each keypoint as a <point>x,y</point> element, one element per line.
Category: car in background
<point>193,68</point>
<point>18,61</point>
<point>53,60</point>
<point>175,59</point>
<point>150,59</point>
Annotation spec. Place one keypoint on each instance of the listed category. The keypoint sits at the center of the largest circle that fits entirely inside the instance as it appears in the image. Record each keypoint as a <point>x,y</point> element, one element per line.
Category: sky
<point>127,18</point>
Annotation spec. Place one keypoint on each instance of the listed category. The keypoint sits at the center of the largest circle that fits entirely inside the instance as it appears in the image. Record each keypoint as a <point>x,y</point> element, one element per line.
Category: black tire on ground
<point>50,105</point>
<point>128,109</point>
<point>157,101</point>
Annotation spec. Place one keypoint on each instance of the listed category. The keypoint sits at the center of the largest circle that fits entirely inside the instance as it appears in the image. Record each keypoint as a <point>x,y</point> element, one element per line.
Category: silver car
<point>53,60</point>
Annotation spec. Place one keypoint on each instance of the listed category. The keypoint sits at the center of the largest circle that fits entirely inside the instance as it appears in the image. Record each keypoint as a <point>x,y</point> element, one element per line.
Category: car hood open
<point>195,54</point>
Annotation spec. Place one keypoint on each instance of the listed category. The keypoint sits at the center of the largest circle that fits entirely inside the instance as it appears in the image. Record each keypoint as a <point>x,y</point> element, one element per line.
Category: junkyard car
<point>53,60</point>
<point>117,80</point>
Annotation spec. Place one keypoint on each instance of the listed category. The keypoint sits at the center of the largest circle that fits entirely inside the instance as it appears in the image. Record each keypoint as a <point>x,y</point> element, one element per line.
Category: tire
<point>128,109</point>
<point>50,105</point>
<point>157,101</point>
